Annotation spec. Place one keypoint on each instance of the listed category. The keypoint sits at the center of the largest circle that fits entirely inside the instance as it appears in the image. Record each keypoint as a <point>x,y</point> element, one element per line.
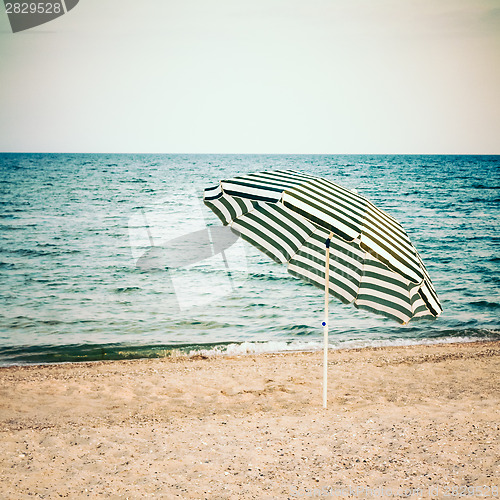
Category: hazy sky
<point>255,76</point>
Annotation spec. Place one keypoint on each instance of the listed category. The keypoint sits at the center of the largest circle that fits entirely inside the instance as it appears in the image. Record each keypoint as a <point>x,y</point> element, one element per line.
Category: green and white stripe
<point>289,216</point>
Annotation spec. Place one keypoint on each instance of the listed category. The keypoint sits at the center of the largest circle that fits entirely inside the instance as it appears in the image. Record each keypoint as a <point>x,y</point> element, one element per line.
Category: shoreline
<point>124,352</point>
<point>252,426</point>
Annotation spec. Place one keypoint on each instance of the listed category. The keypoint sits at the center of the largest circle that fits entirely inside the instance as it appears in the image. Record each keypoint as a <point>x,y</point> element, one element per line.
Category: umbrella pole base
<point>325,365</point>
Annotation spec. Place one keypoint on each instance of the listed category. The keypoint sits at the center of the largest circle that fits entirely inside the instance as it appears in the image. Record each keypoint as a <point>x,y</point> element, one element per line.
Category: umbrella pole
<point>325,322</point>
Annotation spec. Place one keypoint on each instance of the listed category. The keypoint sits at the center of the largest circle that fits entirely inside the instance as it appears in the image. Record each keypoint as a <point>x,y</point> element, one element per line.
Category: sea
<point>87,273</point>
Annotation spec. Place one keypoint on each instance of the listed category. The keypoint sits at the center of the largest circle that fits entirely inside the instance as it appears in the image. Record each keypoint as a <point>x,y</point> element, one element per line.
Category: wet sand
<point>420,421</point>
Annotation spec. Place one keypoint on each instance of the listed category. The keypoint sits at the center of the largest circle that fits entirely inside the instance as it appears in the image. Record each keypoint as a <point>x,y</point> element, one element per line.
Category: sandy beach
<point>414,422</point>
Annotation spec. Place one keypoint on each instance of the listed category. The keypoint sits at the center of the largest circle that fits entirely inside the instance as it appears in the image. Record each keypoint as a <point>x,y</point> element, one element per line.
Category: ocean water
<point>87,269</point>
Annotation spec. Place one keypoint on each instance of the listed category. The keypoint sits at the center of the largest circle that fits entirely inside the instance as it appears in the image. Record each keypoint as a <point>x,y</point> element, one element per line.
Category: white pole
<point>325,322</point>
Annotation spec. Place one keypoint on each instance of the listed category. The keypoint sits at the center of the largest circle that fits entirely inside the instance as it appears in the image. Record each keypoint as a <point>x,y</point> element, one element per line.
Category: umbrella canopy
<point>320,229</point>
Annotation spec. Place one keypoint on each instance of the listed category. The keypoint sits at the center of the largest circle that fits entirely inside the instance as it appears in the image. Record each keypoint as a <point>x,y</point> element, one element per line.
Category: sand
<point>402,422</point>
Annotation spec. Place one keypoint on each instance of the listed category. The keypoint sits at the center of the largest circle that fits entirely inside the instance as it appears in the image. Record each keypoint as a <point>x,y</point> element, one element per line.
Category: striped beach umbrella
<point>331,237</point>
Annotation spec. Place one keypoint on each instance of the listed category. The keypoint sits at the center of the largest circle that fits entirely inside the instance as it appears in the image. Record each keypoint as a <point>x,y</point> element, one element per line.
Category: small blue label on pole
<point>324,323</point>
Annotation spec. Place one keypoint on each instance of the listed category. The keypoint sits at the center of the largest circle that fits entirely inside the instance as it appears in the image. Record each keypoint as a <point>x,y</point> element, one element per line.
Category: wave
<point>33,252</point>
<point>485,304</point>
<point>126,289</point>
<point>49,354</point>
<point>7,265</point>
<point>483,186</point>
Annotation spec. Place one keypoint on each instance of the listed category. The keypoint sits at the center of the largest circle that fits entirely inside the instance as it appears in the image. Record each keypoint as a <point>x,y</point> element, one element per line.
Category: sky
<point>255,76</point>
